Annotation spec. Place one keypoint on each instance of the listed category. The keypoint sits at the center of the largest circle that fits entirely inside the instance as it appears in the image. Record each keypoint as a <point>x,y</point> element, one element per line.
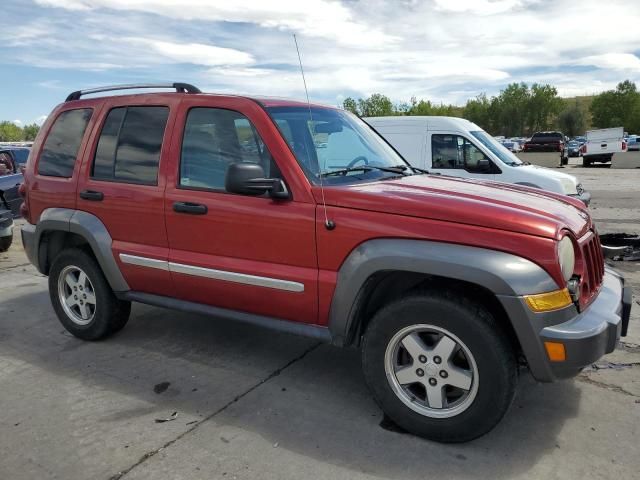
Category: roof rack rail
<point>180,88</point>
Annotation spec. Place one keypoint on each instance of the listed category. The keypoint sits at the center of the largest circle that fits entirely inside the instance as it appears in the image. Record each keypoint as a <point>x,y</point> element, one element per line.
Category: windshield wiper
<point>394,169</point>
<point>344,171</point>
<point>421,170</point>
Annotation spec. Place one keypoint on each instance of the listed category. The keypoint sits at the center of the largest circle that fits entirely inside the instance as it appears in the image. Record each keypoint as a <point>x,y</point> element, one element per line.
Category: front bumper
<point>586,336</point>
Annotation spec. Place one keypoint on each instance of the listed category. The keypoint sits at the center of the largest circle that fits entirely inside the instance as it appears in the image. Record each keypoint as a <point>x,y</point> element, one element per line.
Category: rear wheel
<point>82,297</point>
<point>440,367</point>
<point>5,243</point>
<point>586,162</point>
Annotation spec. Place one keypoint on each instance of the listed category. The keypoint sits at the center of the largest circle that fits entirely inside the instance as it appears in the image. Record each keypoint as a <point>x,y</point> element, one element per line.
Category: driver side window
<point>456,152</point>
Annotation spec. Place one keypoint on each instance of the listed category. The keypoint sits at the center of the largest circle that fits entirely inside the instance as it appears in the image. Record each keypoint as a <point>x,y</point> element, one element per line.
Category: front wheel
<point>440,366</point>
<point>82,298</point>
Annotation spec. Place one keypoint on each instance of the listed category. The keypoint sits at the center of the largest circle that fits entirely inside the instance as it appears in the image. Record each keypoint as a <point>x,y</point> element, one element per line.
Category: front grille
<point>592,267</point>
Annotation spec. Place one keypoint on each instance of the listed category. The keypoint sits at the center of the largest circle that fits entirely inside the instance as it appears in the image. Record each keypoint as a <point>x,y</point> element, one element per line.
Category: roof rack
<point>180,88</point>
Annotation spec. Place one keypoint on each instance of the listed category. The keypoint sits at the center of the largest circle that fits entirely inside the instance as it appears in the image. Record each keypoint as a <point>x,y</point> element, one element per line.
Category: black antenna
<point>329,224</point>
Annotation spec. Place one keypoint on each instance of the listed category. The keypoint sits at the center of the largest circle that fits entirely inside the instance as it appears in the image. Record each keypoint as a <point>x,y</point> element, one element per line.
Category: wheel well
<point>384,287</point>
<point>53,242</point>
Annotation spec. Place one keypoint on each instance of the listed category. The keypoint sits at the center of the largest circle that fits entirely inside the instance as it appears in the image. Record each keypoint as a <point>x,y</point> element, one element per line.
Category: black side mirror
<point>246,178</point>
<point>484,165</point>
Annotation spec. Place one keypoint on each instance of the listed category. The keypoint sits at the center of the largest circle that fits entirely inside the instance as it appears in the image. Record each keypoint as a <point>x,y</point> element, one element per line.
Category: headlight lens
<point>566,257</point>
<point>568,186</point>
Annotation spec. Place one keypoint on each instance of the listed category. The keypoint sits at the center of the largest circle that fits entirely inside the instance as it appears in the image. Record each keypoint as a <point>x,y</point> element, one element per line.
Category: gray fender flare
<point>503,274</point>
<point>86,225</point>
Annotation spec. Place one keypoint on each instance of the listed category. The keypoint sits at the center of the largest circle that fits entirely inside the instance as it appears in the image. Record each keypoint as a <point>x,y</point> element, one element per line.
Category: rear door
<point>243,253</point>
<point>123,184</point>
<point>455,155</point>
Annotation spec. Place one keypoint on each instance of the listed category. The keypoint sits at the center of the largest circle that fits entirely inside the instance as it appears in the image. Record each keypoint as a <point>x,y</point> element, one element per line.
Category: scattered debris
<point>611,366</point>
<point>191,422</point>
<point>621,246</point>
<point>170,418</point>
<point>161,387</point>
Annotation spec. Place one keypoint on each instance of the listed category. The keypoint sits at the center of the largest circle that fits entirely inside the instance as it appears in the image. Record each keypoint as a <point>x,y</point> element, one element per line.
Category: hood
<point>569,182</point>
<point>488,204</point>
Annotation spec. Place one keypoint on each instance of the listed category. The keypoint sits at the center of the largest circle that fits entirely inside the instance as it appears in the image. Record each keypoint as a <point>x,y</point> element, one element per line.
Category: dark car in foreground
<point>227,205</point>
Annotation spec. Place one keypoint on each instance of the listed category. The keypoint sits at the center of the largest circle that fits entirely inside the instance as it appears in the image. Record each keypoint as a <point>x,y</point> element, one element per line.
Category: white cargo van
<point>601,144</point>
<point>457,147</point>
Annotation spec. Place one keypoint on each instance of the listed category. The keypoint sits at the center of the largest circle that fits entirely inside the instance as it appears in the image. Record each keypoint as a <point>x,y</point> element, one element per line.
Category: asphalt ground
<point>250,403</point>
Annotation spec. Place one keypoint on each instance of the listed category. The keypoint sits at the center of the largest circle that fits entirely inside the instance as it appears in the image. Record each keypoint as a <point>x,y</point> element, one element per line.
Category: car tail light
<point>22,190</point>
<point>624,146</point>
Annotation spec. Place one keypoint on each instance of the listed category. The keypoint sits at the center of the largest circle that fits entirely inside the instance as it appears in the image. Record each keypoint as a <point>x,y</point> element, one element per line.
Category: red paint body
<point>286,239</point>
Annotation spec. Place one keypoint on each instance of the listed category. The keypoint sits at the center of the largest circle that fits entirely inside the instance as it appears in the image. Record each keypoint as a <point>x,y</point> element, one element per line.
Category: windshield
<point>496,148</point>
<point>336,145</point>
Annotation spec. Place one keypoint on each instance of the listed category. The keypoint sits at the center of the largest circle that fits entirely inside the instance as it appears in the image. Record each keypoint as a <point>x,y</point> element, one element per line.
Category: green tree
<point>10,132</point>
<point>572,120</point>
<point>351,105</point>
<point>477,111</point>
<point>543,107</point>
<point>617,108</point>
<point>512,106</point>
<point>29,132</point>
<point>377,105</point>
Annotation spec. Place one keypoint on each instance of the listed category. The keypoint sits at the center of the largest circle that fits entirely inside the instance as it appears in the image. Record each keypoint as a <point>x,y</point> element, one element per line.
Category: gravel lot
<point>251,403</point>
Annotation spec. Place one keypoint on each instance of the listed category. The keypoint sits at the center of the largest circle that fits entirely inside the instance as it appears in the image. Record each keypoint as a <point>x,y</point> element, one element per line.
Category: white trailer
<point>601,144</point>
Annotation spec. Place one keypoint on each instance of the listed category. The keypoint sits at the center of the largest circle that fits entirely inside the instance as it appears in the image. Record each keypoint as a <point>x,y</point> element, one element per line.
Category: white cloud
<point>196,53</point>
<point>441,50</point>
<point>17,122</point>
<point>40,120</point>
<point>615,61</point>
<point>316,18</point>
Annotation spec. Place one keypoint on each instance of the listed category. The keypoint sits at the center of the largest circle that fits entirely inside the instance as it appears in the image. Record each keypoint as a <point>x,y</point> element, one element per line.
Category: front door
<point>457,156</point>
<point>253,254</point>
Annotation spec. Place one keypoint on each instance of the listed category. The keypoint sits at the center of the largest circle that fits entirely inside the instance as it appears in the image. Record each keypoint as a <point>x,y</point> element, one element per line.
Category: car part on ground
<point>6,229</point>
<point>309,222</point>
<point>621,246</point>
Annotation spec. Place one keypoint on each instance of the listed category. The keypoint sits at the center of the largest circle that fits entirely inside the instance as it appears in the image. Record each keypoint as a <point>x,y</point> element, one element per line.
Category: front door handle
<point>92,195</point>
<point>191,208</point>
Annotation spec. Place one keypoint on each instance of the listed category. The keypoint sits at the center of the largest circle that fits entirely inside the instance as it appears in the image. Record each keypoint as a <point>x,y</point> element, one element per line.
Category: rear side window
<point>129,146</point>
<point>61,147</point>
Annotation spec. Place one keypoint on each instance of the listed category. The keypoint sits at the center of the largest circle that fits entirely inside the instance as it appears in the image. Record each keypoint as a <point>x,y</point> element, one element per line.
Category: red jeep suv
<point>301,218</point>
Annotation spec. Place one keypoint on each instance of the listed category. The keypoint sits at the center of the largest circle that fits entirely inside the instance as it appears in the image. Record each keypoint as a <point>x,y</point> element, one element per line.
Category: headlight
<point>568,186</point>
<point>566,257</point>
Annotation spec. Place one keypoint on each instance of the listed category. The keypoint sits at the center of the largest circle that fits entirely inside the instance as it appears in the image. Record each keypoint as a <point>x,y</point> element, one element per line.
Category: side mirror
<point>246,178</point>
<point>484,165</point>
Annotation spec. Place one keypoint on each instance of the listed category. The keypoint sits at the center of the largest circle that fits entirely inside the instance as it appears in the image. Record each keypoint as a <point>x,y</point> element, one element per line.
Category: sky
<point>441,50</point>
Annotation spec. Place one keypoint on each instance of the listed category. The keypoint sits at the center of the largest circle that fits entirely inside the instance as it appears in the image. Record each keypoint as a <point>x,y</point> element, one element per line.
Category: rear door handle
<point>92,195</point>
<point>191,208</point>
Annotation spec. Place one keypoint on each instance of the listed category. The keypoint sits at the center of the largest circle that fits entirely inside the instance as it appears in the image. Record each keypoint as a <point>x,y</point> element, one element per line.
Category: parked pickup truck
<point>457,147</point>
<point>602,144</point>
<point>547,142</point>
<point>302,219</point>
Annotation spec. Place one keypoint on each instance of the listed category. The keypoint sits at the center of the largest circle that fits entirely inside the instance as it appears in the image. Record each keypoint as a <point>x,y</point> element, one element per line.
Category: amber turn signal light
<point>555,351</point>
<point>549,301</point>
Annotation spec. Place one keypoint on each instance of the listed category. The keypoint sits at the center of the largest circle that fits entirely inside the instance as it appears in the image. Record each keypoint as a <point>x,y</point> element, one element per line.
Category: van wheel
<point>586,162</point>
<point>440,366</point>
<point>5,243</point>
<point>82,298</point>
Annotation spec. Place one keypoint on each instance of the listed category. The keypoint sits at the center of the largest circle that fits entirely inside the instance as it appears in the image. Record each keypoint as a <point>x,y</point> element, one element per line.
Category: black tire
<point>586,162</point>
<point>497,368</point>
<point>5,243</point>
<point>110,314</point>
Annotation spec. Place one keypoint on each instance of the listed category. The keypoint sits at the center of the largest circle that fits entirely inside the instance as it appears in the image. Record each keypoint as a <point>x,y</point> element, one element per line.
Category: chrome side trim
<point>144,261</point>
<point>224,275</point>
<point>237,277</point>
